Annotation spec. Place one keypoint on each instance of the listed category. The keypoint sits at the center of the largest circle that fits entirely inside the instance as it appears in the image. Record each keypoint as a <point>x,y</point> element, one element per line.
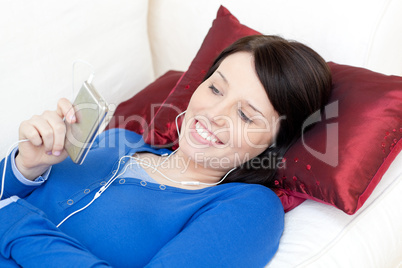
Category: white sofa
<point>130,43</point>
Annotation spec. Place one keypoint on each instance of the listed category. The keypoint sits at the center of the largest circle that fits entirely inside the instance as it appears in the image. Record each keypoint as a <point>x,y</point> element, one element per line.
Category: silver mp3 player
<point>90,111</point>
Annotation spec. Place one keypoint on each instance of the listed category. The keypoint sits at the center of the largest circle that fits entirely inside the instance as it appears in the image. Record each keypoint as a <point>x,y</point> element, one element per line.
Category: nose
<point>219,114</point>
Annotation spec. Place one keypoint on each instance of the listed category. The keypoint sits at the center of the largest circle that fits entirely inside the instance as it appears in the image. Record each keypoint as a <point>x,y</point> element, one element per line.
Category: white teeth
<point>204,133</point>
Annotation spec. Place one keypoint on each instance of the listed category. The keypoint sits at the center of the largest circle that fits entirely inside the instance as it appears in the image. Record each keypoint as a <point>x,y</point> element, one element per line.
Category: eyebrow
<point>223,77</point>
<point>255,109</point>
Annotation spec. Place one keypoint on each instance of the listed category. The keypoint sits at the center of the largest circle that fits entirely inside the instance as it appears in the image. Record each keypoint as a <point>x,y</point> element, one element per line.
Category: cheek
<point>198,98</point>
<point>255,139</point>
<point>258,138</point>
<point>245,146</point>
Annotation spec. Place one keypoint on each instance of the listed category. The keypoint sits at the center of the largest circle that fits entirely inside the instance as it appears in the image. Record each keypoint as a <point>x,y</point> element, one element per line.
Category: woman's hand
<point>46,134</point>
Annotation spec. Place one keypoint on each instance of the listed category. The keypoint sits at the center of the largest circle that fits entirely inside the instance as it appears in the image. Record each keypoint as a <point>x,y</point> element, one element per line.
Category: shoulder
<point>260,196</point>
<point>256,202</point>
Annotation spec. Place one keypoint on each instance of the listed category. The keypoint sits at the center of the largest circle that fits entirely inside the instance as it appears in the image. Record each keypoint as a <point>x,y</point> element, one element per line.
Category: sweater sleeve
<point>12,184</point>
<point>241,231</point>
<point>29,239</point>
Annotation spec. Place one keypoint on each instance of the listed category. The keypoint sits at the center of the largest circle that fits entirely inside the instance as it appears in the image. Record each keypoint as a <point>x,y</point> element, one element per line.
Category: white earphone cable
<point>91,76</point>
<point>177,126</point>
<point>98,193</point>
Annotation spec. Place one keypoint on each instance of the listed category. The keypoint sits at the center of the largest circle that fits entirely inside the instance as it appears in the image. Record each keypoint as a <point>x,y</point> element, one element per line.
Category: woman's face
<point>229,119</point>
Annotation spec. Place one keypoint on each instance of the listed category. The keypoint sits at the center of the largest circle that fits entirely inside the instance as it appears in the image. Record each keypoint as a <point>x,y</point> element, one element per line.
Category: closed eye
<point>214,90</point>
<point>244,117</point>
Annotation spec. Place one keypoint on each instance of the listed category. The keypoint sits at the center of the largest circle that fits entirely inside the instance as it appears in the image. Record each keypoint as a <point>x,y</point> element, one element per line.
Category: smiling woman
<point>171,209</point>
<point>221,107</point>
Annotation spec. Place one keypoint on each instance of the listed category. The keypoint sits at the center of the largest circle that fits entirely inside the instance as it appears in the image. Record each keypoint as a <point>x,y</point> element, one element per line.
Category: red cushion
<point>364,137</point>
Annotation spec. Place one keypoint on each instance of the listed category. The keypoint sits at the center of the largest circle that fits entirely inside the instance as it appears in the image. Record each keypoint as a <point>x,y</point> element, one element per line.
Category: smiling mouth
<point>206,134</point>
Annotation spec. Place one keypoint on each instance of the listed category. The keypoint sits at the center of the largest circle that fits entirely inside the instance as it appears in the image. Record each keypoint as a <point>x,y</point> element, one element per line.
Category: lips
<point>205,134</point>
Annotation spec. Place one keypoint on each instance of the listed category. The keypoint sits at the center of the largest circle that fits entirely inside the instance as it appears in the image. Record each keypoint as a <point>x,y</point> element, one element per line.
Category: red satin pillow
<point>342,159</point>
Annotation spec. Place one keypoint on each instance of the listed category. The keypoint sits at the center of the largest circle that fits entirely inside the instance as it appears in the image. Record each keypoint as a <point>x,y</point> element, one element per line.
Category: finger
<point>28,131</point>
<point>65,110</point>
<point>46,132</point>
<point>43,130</point>
<point>59,132</point>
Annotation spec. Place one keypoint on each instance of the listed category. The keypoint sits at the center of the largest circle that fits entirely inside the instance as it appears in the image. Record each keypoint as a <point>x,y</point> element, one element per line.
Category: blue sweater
<point>135,223</point>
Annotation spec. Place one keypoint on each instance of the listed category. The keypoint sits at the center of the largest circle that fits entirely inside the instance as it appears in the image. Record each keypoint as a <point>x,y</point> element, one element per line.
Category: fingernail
<point>49,153</point>
<point>57,153</point>
<point>72,118</point>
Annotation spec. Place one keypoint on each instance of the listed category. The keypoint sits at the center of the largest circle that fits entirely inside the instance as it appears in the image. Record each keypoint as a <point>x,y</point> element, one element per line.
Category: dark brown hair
<point>298,83</point>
